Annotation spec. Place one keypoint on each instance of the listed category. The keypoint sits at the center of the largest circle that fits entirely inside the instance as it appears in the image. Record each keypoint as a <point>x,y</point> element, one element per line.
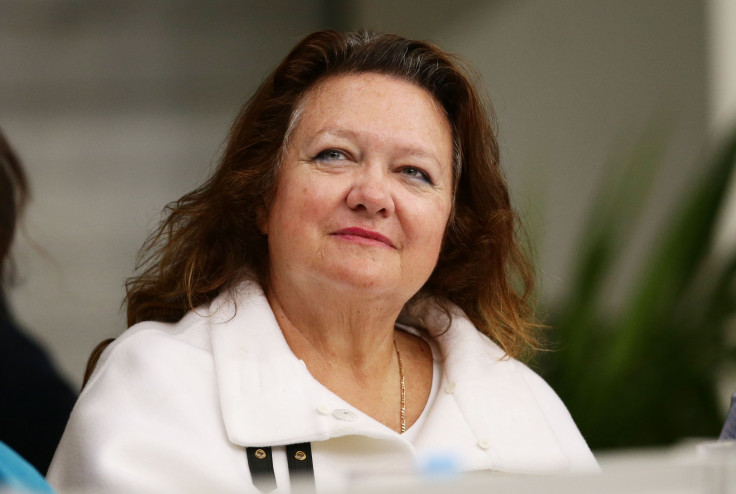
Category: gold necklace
<point>402,414</point>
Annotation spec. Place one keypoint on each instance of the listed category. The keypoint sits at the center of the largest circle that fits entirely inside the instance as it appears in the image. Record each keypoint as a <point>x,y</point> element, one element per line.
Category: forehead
<point>386,107</point>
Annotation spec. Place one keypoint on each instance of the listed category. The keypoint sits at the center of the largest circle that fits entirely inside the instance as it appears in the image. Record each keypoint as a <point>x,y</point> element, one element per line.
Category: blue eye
<point>417,173</point>
<point>330,155</point>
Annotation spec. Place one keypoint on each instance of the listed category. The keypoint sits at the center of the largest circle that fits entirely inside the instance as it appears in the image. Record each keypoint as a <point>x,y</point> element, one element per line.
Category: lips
<point>360,233</point>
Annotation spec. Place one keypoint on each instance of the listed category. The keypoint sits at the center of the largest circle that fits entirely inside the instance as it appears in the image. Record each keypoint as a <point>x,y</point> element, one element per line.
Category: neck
<point>350,346</point>
<point>354,335</point>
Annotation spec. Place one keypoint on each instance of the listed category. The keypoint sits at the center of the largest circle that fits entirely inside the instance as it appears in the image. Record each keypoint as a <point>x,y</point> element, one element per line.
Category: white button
<point>483,444</point>
<point>346,415</point>
<point>323,410</point>
<point>450,387</point>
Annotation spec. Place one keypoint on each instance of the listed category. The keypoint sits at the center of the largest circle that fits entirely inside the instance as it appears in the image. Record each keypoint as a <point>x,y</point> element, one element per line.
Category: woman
<point>337,301</point>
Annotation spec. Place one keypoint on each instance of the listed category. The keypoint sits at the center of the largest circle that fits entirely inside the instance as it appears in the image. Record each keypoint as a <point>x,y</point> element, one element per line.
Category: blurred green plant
<point>646,374</point>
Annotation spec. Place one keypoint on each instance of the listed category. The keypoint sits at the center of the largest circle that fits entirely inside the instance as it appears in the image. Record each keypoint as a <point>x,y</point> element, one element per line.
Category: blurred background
<point>612,120</point>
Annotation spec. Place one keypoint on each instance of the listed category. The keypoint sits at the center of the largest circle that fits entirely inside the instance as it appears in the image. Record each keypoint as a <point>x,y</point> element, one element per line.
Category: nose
<point>370,192</point>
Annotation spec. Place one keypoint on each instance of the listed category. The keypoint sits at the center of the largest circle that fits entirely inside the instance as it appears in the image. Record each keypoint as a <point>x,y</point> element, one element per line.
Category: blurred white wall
<point>722,100</point>
<point>117,108</point>
<point>721,15</point>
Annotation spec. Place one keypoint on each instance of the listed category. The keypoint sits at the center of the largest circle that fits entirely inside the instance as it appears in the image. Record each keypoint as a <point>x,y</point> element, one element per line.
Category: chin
<point>372,284</point>
<point>354,278</point>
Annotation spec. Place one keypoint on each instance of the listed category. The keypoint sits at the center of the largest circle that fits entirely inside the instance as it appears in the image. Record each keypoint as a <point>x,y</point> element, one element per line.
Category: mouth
<point>363,236</point>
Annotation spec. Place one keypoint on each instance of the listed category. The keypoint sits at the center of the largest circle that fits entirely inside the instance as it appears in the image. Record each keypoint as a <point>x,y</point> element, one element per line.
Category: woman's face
<point>364,191</point>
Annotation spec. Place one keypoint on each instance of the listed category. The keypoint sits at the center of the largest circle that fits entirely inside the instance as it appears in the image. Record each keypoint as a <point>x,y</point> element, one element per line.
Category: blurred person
<point>345,298</point>
<point>35,402</point>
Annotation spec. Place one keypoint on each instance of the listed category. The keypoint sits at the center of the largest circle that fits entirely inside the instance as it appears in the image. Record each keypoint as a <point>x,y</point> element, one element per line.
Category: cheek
<point>429,225</point>
<point>300,203</point>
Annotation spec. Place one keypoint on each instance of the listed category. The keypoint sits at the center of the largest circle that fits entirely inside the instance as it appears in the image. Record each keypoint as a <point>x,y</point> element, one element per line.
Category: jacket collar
<point>260,381</point>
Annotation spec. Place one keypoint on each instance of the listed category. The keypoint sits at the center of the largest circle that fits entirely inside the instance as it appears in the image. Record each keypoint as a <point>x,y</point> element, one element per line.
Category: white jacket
<point>171,407</point>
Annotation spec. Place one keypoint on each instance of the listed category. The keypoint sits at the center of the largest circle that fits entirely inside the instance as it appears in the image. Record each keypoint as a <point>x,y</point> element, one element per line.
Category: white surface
<point>677,470</point>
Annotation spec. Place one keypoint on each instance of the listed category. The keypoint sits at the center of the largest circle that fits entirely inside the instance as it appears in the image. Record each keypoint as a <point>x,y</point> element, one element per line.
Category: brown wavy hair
<point>209,239</point>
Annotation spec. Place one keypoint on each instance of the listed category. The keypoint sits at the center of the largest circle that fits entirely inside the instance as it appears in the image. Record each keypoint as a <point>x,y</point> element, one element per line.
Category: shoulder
<point>149,358</point>
<point>506,401</point>
<point>146,346</point>
<point>560,422</point>
<point>150,384</point>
